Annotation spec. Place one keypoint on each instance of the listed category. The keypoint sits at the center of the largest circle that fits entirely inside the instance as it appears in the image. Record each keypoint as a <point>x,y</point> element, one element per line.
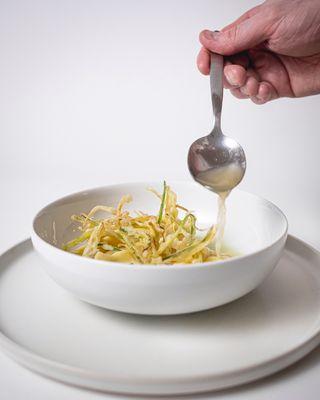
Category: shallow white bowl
<point>256,229</point>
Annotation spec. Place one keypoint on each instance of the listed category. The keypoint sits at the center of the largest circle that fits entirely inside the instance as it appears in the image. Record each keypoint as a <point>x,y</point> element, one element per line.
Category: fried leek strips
<point>165,238</point>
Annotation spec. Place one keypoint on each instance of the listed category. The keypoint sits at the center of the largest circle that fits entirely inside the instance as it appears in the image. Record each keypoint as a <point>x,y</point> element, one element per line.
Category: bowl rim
<point>181,266</point>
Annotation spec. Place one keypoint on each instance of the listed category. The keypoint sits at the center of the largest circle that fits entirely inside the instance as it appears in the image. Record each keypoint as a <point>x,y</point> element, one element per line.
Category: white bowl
<point>256,229</point>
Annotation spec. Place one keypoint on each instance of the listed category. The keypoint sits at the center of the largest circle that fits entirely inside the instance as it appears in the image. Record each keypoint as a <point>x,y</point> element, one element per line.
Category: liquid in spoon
<point>221,178</point>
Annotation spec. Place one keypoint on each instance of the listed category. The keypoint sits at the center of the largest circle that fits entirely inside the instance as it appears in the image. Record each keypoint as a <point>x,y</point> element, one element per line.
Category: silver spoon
<point>217,161</point>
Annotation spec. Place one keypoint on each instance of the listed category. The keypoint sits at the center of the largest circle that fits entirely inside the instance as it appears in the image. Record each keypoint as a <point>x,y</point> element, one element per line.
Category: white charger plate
<point>47,330</point>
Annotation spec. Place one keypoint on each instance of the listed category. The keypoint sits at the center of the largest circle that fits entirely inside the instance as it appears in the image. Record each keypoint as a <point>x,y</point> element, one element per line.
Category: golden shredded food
<point>166,238</point>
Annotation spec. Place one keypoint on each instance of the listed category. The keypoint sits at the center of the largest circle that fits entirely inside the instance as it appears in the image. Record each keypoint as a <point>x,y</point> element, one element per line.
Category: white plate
<point>47,330</point>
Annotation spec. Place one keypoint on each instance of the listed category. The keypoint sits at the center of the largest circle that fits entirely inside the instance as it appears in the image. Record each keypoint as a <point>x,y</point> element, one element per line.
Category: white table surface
<point>98,92</point>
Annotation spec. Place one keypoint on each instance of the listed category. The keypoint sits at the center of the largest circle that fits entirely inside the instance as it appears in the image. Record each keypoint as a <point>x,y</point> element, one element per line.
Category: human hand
<point>273,50</point>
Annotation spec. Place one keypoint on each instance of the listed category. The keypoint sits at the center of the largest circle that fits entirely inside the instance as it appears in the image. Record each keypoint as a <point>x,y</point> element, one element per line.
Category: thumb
<point>237,38</point>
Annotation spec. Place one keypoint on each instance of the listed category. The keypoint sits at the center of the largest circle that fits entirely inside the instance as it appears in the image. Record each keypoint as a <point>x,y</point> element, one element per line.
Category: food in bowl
<point>165,238</point>
<point>257,230</point>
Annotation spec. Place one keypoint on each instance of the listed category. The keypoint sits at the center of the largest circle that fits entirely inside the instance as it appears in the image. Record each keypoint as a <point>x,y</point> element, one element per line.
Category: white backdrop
<point>94,92</point>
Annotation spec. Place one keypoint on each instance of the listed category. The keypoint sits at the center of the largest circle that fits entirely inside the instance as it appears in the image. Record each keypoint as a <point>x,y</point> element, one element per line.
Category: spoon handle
<point>216,84</point>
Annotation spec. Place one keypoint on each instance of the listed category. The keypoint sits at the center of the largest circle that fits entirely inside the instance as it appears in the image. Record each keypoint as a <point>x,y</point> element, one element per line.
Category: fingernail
<point>264,93</point>
<point>244,90</point>
<point>209,35</point>
<point>231,78</point>
<point>257,100</point>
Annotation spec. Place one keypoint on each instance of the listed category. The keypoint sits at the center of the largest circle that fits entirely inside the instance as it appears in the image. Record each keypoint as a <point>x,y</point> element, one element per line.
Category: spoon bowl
<point>217,161</point>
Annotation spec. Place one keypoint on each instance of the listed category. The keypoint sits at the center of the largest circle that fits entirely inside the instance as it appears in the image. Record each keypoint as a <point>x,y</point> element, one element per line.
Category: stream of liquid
<point>221,221</point>
<point>220,179</point>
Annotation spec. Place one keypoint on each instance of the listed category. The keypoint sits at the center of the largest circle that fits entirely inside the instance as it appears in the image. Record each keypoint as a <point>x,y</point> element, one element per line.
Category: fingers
<point>235,75</point>
<point>238,94</point>
<point>235,41</point>
<point>247,31</point>
<point>240,59</point>
<point>243,36</point>
<point>251,87</point>
<point>244,84</point>
<point>257,92</point>
<point>203,61</point>
<point>266,92</point>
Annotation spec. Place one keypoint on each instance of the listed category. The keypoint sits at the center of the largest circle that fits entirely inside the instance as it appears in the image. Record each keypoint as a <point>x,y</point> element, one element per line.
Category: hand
<point>273,50</point>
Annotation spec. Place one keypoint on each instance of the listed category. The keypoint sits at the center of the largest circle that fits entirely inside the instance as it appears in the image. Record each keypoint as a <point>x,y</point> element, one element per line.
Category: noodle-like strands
<point>144,239</point>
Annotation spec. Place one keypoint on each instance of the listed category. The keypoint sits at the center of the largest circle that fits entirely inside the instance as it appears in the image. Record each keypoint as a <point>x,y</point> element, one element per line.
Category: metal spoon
<point>217,161</point>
